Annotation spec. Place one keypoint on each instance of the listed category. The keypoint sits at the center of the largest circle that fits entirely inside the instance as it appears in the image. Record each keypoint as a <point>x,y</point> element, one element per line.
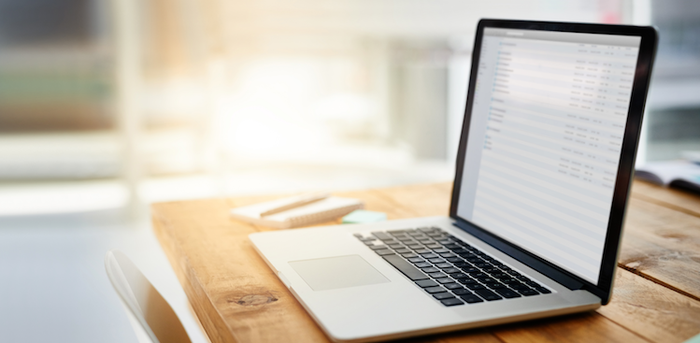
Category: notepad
<point>679,174</point>
<point>297,211</point>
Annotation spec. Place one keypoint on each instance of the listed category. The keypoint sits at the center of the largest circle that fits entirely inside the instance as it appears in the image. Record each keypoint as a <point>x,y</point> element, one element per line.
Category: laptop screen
<point>544,141</point>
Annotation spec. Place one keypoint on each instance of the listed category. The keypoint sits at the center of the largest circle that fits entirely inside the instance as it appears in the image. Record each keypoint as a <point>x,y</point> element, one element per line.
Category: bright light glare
<point>281,107</point>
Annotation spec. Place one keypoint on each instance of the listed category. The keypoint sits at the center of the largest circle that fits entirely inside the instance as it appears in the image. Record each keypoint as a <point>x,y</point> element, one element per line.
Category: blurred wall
<point>237,83</point>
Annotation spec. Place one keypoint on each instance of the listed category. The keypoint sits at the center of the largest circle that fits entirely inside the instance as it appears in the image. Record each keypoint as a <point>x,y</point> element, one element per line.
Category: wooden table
<point>238,299</point>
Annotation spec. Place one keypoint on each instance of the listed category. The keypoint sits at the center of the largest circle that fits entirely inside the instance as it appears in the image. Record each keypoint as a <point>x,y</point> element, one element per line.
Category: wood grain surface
<point>238,299</point>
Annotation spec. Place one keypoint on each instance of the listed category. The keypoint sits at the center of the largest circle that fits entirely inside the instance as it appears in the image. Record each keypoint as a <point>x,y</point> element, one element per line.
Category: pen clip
<point>295,202</point>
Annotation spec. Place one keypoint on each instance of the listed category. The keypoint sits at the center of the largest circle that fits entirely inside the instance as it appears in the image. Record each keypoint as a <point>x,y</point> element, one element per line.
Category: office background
<point>107,106</point>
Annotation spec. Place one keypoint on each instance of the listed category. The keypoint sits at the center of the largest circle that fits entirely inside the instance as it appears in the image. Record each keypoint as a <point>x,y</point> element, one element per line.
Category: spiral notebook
<point>297,211</point>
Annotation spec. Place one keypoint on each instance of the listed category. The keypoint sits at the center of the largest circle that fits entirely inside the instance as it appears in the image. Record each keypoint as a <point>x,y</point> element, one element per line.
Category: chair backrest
<point>150,315</point>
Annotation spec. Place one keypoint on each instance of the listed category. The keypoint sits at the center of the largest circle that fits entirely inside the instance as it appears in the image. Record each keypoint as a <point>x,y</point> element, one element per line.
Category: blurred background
<point>107,106</point>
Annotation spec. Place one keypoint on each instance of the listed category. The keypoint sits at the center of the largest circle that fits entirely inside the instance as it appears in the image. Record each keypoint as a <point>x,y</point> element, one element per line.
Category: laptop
<point>544,167</point>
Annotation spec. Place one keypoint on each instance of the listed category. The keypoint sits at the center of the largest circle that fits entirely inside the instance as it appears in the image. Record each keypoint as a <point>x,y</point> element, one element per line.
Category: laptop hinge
<point>523,257</point>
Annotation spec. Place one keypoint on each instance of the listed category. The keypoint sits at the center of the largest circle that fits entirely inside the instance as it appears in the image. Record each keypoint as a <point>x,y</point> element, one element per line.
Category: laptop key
<point>527,292</point>
<point>499,276</point>
<point>422,264</point>
<point>426,283</point>
<point>382,235</point>
<point>436,260</point>
<point>437,275</point>
<point>466,280</point>
<point>461,291</point>
<point>416,260</point>
<point>453,286</point>
<point>443,265</point>
<point>409,255</point>
<point>459,275</point>
<point>443,295</point>
<point>430,270</point>
<point>452,302</point>
<point>543,290</point>
<point>377,247</point>
<point>444,280</point>
<point>471,298</point>
<point>451,270</point>
<point>455,260</point>
<point>517,285</point>
<point>481,265</point>
<point>403,251</point>
<point>487,258</point>
<point>474,286</point>
<point>486,279</point>
<point>406,268</point>
<point>491,270</point>
<point>507,293</point>
<point>433,290</point>
<point>383,252</point>
<point>532,284</point>
<point>469,269</point>
<point>487,294</point>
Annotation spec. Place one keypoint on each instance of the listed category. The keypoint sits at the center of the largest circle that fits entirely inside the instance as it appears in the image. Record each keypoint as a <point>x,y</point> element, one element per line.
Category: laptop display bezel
<point>647,51</point>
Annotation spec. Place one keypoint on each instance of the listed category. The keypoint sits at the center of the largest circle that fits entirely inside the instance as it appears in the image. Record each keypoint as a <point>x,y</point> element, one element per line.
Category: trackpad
<point>323,274</point>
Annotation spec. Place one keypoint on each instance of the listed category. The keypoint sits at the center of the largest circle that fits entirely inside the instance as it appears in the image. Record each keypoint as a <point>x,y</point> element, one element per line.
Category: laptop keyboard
<point>448,269</point>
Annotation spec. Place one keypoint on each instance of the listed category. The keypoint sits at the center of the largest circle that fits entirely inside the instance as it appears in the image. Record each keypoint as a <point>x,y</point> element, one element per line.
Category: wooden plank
<point>651,310</point>
<point>663,245</point>
<point>469,336</point>
<point>231,288</point>
<point>583,328</point>
<point>678,200</point>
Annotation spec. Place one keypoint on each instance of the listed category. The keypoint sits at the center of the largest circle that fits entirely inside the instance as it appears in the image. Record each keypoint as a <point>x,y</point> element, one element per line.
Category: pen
<point>296,202</point>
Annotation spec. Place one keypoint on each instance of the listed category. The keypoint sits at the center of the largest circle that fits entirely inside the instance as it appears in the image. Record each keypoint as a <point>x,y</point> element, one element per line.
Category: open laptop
<point>544,168</point>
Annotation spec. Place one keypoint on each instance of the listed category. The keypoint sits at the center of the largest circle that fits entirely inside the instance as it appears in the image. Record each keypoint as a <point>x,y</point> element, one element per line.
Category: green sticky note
<point>362,216</point>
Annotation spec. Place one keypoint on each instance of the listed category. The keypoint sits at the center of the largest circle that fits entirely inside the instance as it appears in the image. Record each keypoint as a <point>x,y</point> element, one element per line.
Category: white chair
<point>152,318</point>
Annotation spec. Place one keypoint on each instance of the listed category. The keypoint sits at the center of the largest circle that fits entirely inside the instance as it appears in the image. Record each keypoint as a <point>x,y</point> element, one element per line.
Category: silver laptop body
<point>544,168</point>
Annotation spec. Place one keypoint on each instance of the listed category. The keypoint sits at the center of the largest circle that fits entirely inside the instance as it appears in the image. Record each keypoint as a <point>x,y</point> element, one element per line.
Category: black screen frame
<point>628,152</point>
